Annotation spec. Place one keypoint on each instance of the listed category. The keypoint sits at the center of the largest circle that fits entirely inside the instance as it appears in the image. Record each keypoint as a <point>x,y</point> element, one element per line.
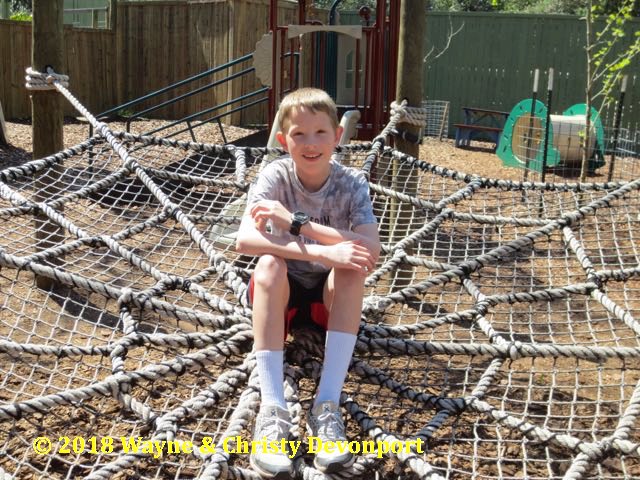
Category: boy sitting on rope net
<point>311,221</point>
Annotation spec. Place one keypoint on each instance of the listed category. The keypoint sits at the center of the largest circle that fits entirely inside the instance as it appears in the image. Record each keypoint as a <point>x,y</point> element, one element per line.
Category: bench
<point>465,133</point>
<point>478,121</point>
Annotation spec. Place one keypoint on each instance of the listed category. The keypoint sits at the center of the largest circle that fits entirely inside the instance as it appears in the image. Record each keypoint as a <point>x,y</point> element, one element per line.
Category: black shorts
<point>306,305</point>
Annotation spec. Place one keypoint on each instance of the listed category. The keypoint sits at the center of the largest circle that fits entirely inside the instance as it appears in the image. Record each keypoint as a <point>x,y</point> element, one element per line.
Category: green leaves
<point>21,17</point>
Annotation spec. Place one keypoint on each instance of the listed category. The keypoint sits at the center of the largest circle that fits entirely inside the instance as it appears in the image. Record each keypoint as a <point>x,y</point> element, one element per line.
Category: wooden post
<point>413,14</point>
<point>47,117</point>
<point>112,15</point>
<point>409,86</point>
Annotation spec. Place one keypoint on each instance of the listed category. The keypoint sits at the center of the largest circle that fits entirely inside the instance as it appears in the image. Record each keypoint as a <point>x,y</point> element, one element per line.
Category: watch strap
<point>298,219</point>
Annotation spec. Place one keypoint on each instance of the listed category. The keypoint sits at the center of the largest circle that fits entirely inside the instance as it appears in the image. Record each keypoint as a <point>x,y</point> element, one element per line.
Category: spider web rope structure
<point>500,326</point>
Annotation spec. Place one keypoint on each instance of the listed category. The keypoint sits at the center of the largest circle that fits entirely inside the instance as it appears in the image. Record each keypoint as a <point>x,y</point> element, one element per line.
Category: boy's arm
<point>348,254</point>
<point>366,235</point>
<point>371,238</point>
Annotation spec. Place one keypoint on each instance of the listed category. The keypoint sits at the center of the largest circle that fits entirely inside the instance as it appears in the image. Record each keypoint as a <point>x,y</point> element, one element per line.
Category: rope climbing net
<point>500,326</point>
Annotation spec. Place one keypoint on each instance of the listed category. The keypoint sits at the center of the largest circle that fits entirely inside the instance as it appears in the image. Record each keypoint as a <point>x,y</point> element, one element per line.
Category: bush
<point>21,16</point>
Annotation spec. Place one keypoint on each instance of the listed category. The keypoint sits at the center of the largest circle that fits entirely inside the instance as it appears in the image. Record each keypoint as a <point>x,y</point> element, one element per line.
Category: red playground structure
<point>356,64</point>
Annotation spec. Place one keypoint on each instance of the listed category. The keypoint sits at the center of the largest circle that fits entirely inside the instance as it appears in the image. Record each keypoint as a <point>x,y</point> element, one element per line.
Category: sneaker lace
<point>275,428</point>
<point>330,426</point>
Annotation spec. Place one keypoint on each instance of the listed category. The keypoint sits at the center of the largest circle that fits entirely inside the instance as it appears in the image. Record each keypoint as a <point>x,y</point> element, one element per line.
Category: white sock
<point>338,351</point>
<point>270,364</point>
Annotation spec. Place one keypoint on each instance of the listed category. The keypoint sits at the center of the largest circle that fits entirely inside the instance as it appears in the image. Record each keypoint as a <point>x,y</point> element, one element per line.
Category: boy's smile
<point>310,138</point>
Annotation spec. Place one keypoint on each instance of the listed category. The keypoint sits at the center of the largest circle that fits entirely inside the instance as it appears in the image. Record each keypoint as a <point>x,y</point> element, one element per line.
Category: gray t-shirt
<point>342,203</point>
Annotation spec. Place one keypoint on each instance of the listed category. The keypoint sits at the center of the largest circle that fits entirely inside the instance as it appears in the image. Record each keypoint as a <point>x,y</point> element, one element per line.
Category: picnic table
<point>480,122</point>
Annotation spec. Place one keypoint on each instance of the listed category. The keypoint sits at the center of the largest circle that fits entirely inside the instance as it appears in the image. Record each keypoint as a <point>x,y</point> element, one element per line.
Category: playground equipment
<point>512,352</point>
<point>365,61</point>
<point>522,140</point>
<point>363,72</point>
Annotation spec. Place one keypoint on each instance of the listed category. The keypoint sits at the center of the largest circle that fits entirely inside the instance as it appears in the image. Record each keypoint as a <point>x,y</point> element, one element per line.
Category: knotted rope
<point>186,291</point>
<point>45,81</point>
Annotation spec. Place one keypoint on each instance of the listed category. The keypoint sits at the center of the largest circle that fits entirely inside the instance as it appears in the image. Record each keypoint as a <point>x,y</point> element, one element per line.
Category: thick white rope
<point>44,81</point>
<point>235,339</point>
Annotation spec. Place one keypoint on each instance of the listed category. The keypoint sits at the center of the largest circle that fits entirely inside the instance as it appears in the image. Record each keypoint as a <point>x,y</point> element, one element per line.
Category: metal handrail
<point>193,116</point>
<point>188,94</point>
<point>175,85</point>
<point>201,89</point>
<point>215,118</point>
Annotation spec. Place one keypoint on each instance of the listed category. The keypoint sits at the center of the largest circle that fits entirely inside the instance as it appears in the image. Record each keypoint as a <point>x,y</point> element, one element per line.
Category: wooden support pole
<point>413,14</point>
<point>47,117</point>
<point>113,15</point>
<point>409,86</point>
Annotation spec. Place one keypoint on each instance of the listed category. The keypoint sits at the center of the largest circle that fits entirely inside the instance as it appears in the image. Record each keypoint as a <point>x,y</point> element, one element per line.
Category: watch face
<point>300,217</point>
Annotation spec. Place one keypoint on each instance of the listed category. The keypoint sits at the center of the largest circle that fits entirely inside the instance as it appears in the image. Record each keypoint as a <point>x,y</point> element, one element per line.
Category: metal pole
<point>527,159</point>
<point>534,97</point>
<point>546,138</point>
<point>547,125</point>
<point>616,126</point>
<point>47,118</point>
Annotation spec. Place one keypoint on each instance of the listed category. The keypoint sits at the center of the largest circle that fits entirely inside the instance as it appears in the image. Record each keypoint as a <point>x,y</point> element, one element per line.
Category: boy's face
<point>310,139</point>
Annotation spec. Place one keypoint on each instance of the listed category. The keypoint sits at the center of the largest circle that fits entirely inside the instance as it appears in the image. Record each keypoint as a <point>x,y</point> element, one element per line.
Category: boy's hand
<point>273,210</point>
<point>350,255</point>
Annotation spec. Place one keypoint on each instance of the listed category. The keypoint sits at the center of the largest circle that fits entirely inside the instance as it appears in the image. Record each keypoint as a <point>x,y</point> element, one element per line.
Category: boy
<point>323,239</point>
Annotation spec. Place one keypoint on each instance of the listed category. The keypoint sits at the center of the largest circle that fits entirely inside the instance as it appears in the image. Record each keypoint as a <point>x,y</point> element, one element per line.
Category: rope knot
<point>412,115</point>
<point>125,299</point>
<point>45,81</point>
<point>514,350</point>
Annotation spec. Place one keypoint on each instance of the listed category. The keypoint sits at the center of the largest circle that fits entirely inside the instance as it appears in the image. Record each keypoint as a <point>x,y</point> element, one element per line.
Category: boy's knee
<point>270,270</point>
<point>347,278</point>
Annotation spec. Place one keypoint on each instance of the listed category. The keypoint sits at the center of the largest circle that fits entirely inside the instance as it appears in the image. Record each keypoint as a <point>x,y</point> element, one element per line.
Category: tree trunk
<point>47,119</point>
<point>409,86</point>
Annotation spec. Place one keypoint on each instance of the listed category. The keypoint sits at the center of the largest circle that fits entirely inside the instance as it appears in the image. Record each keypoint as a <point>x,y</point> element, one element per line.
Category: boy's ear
<point>339,131</point>
<point>282,140</point>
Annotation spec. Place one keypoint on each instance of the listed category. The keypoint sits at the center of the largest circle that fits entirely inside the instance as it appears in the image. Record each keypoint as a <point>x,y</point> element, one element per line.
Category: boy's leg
<point>270,297</point>
<point>343,296</point>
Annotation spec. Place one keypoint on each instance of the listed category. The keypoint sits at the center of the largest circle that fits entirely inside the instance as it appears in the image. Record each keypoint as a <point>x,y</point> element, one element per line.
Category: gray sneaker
<point>272,423</point>
<point>325,422</point>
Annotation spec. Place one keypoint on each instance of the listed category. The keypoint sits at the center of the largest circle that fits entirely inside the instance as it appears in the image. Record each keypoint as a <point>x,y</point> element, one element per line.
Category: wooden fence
<point>488,64</point>
<point>153,45</point>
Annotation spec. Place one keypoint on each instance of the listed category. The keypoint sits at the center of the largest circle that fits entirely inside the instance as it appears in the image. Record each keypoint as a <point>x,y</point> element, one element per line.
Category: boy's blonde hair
<point>312,99</point>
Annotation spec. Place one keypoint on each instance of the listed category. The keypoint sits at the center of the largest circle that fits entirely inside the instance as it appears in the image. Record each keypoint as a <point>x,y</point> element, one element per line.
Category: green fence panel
<point>490,62</point>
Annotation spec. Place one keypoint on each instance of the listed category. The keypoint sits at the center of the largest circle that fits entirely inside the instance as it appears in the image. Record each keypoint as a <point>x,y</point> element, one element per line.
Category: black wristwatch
<point>298,219</point>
